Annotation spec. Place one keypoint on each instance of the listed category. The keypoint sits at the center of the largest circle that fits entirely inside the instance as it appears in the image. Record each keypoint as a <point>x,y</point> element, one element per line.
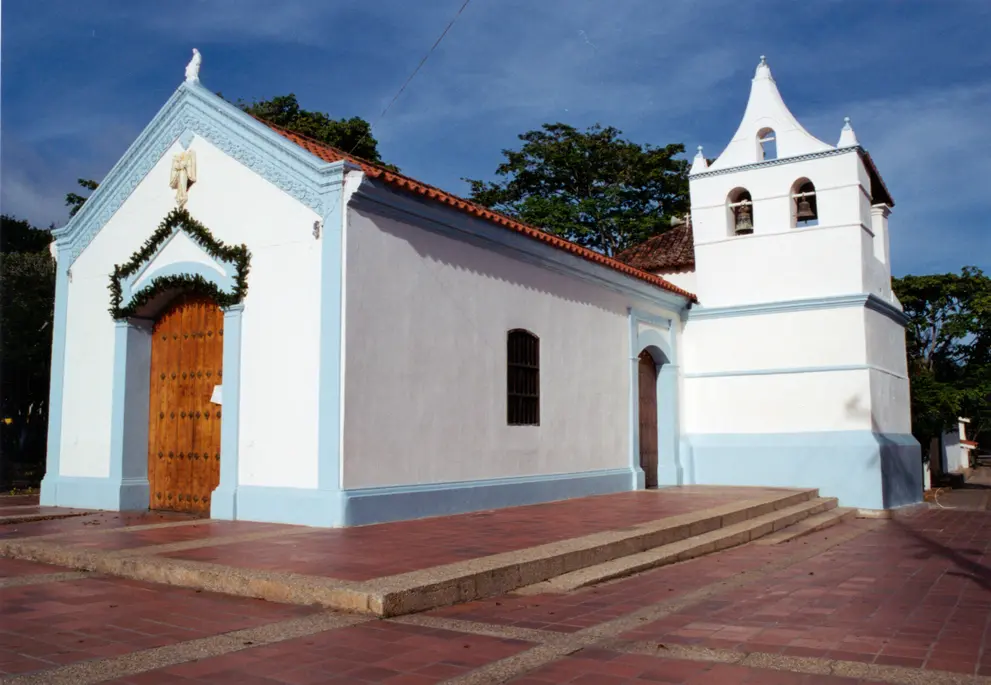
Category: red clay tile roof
<point>671,251</point>
<point>332,154</point>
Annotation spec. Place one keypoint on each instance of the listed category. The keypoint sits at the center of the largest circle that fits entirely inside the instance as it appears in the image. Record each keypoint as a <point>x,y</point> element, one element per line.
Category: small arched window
<point>767,144</point>
<point>741,212</point>
<point>804,209</point>
<point>523,378</point>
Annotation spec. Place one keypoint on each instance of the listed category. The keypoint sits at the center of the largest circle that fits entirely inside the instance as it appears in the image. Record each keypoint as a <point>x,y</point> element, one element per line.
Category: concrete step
<point>697,532</point>
<point>686,548</point>
<point>812,524</point>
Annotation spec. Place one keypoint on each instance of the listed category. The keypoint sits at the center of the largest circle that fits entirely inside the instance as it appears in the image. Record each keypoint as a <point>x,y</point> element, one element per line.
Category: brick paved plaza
<point>905,600</point>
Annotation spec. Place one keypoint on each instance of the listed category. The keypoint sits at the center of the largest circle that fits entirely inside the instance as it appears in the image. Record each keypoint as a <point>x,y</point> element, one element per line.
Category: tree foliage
<point>949,349</point>
<point>591,187</point>
<point>74,201</point>
<point>27,302</point>
<point>353,135</point>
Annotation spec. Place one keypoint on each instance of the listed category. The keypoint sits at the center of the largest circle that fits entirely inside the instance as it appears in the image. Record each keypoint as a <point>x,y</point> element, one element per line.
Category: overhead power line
<point>415,71</point>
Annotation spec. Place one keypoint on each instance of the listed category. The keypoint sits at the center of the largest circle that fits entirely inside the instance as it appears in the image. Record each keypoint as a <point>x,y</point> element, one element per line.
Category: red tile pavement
<point>18,500</point>
<point>371,652</point>
<point>52,624</point>
<point>366,552</point>
<point>603,667</point>
<point>10,568</point>
<point>203,530</point>
<point>96,521</point>
<point>916,592</point>
<point>587,607</point>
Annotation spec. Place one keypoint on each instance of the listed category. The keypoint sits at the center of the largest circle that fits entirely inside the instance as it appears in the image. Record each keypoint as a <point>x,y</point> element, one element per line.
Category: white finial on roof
<point>847,137</point>
<point>699,163</point>
<point>763,71</point>
<point>193,68</point>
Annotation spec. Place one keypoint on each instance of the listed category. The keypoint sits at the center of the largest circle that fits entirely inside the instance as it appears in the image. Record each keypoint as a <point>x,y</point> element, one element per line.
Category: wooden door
<point>184,430</point>
<point>648,419</point>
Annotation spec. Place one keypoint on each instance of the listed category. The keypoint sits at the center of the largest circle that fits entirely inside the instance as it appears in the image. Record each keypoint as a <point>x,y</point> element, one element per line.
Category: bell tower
<point>794,364</point>
<point>782,215</point>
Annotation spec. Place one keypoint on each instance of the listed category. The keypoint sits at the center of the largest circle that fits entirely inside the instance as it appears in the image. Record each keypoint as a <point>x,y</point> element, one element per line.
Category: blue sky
<point>81,79</point>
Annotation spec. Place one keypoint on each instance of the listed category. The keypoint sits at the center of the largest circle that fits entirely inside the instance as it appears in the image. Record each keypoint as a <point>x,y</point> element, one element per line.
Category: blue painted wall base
<point>862,469</point>
<point>296,506</point>
<point>378,505</point>
<point>128,494</point>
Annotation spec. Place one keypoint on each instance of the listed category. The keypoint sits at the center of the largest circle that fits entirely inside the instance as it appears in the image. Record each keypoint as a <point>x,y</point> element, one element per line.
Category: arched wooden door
<point>184,431</point>
<point>648,419</point>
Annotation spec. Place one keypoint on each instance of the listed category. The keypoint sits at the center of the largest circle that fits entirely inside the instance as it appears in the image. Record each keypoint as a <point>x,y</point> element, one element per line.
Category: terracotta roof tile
<point>332,154</point>
<point>671,251</point>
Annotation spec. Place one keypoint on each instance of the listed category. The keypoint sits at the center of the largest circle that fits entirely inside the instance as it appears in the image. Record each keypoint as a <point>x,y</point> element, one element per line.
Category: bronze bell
<point>744,219</point>
<point>805,212</point>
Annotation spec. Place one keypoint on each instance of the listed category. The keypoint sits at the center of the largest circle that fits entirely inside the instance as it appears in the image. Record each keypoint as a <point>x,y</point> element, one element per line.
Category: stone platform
<point>398,568</point>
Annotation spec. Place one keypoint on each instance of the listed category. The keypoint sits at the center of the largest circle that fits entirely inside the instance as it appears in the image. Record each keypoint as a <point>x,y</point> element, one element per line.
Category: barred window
<point>523,378</point>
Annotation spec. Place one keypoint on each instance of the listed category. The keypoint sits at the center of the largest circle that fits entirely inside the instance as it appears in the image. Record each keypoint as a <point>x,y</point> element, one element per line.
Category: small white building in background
<point>299,336</point>
<point>957,448</point>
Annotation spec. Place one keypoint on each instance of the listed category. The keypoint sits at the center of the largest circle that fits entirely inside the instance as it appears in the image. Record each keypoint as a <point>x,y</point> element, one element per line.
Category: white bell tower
<point>781,215</point>
<point>794,365</point>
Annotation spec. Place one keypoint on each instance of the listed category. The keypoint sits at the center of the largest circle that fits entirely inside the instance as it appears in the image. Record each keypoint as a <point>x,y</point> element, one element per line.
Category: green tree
<point>353,135</point>
<point>949,349</point>
<point>27,301</point>
<point>591,187</point>
<point>74,201</point>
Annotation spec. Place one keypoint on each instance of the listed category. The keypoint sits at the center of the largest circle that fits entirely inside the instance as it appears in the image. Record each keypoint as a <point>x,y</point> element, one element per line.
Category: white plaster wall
<point>425,380</point>
<point>784,340</point>
<point>280,341</point>
<point>683,279</point>
<point>891,408</point>
<point>781,403</point>
<point>885,342</point>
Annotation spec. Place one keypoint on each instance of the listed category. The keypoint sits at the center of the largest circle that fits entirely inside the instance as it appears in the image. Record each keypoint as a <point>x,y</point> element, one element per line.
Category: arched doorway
<point>648,418</point>
<point>184,425</point>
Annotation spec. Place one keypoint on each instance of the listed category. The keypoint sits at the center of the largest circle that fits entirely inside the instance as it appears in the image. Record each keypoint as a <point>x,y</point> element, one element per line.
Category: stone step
<point>812,524</point>
<point>687,548</point>
<point>452,583</point>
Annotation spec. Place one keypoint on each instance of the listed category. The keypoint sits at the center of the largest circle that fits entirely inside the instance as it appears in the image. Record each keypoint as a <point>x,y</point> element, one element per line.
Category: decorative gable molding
<point>194,111</point>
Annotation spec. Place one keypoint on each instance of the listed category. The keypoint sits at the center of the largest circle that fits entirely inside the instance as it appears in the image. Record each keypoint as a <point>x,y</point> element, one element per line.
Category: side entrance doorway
<point>184,425</point>
<point>648,418</point>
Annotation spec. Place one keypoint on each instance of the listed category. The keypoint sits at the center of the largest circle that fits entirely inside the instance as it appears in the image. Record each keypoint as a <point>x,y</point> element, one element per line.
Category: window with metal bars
<point>523,378</point>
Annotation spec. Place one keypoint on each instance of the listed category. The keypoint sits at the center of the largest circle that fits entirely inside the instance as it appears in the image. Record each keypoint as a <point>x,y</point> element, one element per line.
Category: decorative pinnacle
<point>846,120</point>
<point>763,60</point>
<point>700,149</point>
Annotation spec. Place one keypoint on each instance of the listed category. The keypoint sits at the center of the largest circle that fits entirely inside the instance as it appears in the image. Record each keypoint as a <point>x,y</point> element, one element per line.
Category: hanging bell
<point>805,212</point>
<point>744,219</point>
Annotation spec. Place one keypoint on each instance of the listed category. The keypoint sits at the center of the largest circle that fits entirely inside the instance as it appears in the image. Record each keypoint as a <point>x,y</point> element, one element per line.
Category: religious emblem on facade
<point>183,175</point>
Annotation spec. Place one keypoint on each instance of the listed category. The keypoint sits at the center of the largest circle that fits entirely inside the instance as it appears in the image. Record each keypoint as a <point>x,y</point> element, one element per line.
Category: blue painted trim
<point>331,388</point>
<point>102,493</point>
<point>867,300</point>
<point>49,484</point>
<point>295,506</point>
<point>193,109</point>
<point>794,370</point>
<point>775,162</point>
<point>129,413</point>
<point>862,468</point>
<point>223,503</point>
<point>223,281</point>
<point>451,223</point>
<point>378,505</point>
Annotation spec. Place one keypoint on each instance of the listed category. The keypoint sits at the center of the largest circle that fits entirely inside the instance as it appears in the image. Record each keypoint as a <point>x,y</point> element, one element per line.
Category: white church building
<point>253,325</point>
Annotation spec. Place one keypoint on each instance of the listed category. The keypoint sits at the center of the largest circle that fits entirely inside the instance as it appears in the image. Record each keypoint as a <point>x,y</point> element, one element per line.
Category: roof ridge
<point>411,184</point>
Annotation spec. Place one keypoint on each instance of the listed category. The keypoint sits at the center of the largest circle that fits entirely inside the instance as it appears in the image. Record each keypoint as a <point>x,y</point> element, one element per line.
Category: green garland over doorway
<point>238,255</point>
